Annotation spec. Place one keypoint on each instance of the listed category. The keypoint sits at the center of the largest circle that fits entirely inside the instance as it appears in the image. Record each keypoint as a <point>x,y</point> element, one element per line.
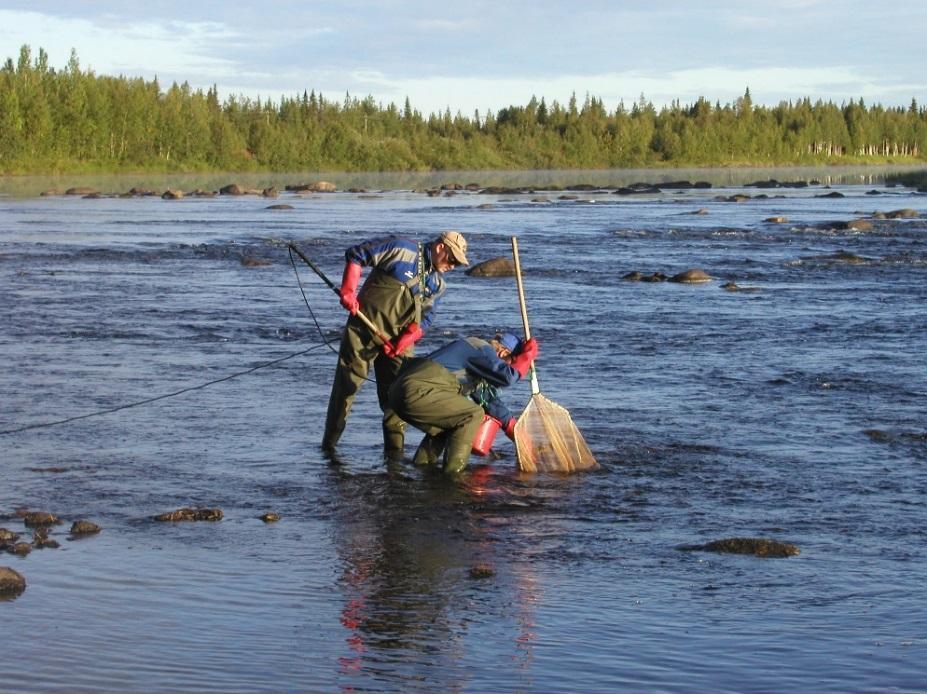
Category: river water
<point>795,411</point>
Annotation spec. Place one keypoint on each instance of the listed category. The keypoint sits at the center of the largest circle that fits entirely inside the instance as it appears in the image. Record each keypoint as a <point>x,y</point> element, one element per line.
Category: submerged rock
<point>12,582</point>
<point>757,546</point>
<point>906,213</point>
<point>502,266</point>
<point>41,540</point>
<point>734,287</point>
<point>482,571</point>
<point>856,225</point>
<point>282,206</point>
<point>637,276</point>
<point>84,527</point>
<point>7,536</point>
<point>20,549</point>
<point>191,514</point>
<point>251,261</point>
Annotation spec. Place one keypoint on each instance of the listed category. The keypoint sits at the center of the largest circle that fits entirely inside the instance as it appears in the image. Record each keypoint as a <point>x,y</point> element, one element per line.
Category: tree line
<point>72,120</point>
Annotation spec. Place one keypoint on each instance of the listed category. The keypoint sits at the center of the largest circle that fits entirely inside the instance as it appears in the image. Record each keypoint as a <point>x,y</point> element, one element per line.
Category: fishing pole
<point>331,285</point>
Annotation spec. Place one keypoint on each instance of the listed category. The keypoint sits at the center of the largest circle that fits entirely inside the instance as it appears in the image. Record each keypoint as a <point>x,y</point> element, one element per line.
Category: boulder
<point>81,190</point>
<point>279,207</point>
<point>777,220</point>
<point>271,192</point>
<point>693,276</point>
<point>232,189</point>
<point>12,582</point>
<point>270,517</point>
<point>832,194</point>
<point>172,195</point>
<point>503,266</point>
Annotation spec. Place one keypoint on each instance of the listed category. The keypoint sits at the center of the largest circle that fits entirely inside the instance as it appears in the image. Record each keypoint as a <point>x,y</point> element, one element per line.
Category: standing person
<point>399,297</point>
<point>446,394</point>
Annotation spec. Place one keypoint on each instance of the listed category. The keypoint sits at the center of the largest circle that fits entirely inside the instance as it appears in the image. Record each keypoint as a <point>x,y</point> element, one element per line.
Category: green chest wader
<point>391,305</point>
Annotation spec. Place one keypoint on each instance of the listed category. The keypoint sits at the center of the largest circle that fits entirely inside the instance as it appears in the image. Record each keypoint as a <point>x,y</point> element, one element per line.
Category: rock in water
<point>36,518</point>
<point>191,514</point>
<point>84,527</point>
<point>12,582</point>
<point>502,266</point>
<point>692,276</point>
<point>757,546</point>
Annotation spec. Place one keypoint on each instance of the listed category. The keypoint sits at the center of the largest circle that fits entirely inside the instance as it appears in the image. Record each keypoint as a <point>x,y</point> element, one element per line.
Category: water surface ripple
<point>795,410</point>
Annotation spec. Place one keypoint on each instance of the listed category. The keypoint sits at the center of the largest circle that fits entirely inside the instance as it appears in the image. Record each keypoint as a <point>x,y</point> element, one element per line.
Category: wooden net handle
<point>535,388</point>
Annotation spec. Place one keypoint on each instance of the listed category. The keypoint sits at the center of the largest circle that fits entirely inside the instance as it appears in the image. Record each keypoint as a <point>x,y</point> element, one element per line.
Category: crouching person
<point>447,393</point>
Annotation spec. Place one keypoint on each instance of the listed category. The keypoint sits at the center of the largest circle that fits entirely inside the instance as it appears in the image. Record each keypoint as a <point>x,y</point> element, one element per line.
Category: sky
<point>486,55</point>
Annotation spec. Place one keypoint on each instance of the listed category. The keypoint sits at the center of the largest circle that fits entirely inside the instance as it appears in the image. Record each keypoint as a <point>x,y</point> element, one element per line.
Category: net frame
<point>546,440</point>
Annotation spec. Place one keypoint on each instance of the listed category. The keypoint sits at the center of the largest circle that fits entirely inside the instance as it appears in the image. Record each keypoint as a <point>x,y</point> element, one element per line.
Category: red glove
<point>521,362</point>
<point>406,339</point>
<point>510,428</point>
<point>348,291</point>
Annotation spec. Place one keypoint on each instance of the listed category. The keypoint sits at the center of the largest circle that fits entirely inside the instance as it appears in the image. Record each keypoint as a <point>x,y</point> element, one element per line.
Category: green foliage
<point>73,120</point>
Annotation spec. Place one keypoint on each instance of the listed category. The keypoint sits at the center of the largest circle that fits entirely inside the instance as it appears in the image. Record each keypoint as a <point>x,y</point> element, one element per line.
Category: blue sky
<point>488,55</point>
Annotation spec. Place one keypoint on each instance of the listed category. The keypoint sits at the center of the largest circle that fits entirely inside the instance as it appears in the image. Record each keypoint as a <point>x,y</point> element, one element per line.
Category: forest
<point>71,120</point>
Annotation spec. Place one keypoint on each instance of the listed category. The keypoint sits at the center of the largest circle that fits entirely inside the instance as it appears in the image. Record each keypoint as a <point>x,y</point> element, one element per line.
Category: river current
<point>794,409</point>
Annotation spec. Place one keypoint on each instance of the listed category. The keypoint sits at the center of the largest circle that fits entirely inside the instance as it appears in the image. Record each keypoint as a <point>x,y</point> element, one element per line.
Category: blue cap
<point>511,342</point>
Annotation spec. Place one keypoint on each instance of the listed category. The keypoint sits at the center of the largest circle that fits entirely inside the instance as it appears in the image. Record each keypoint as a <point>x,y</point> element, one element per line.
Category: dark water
<point>797,412</point>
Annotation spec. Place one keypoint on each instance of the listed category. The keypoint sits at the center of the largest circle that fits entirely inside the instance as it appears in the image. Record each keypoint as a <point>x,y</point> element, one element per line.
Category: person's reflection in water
<point>408,546</point>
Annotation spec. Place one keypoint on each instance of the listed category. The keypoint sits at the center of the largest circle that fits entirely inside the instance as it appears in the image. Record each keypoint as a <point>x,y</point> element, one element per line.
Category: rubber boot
<point>429,450</point>
<point>394,439</point>
<point>457,455</point>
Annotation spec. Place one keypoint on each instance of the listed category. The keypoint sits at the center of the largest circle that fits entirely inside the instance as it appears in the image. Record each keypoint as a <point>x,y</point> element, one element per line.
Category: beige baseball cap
<point>456,244</point>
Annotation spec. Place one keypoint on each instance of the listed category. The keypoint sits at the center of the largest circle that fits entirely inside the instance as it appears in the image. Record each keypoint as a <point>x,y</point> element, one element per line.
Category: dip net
<point>546,440</point>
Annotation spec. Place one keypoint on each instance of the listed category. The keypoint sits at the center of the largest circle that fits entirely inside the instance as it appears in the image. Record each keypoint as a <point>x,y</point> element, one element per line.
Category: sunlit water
<point>797,411</point>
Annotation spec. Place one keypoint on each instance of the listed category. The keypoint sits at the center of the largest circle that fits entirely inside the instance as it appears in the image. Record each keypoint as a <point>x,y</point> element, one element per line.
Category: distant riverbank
<point>31,186</point>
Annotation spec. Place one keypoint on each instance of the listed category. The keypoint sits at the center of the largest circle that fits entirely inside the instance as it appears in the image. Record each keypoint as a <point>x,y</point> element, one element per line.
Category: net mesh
<point>546,439</point>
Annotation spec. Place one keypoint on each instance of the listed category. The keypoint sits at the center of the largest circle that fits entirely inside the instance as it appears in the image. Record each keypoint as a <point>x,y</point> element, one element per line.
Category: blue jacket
<point>480,372</point>
<point>407,261</point>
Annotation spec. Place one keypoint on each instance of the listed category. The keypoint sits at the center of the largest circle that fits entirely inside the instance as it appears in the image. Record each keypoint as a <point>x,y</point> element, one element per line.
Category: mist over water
<point>795,409</point>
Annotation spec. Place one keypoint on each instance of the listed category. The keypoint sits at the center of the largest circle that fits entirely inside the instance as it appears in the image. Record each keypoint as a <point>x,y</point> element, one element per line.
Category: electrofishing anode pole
<point>363,319</point>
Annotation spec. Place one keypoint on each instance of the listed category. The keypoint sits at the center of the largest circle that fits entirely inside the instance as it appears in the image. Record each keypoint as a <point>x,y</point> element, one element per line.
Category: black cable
<point>160,397</point>
<point>147,401</point>
<point>306,301</point>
